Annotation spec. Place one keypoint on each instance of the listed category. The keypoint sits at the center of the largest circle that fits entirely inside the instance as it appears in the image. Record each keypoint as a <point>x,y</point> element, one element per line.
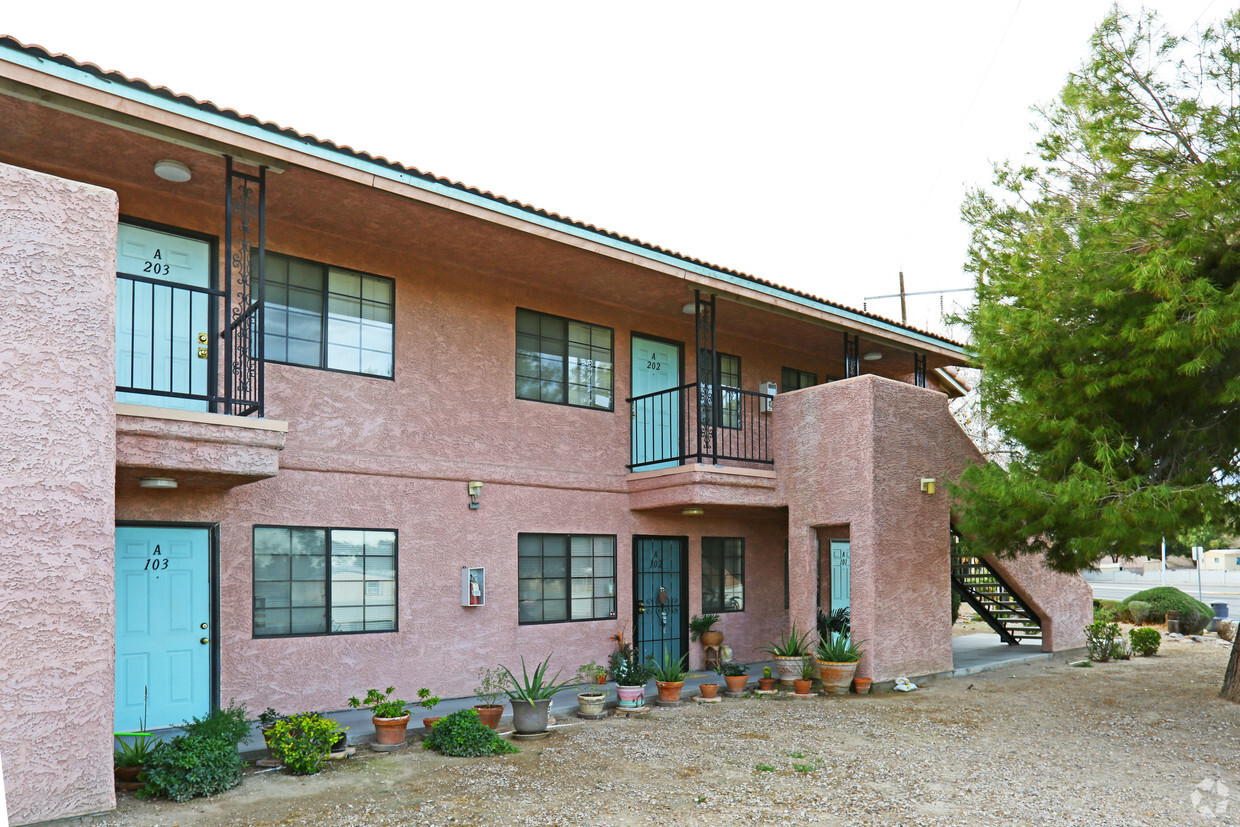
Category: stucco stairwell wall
<point>57,479</point>
<point>853,453</point>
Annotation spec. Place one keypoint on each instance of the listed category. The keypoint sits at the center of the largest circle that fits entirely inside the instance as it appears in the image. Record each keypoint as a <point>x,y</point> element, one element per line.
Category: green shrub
<point>228,725</point>
<point>302,742</point>
<point>1145,641</point>
<point>955,606</point>
<point>1136,612</point>
<point>1100,639</point>
<point>191,765</point>
<point>1194,615</point>
<point>461,734</point>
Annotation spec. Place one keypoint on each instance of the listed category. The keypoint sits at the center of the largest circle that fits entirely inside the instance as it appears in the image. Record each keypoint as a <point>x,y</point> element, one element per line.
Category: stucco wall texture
<point>57,429</point>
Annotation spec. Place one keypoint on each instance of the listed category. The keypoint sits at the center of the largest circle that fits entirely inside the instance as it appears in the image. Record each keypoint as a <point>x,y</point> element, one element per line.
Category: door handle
<point>641,607</point>
<point>205,640</point>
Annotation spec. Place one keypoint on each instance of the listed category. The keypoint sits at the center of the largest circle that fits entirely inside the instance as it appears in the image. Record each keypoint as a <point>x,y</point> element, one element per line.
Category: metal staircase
<point>985,590</point>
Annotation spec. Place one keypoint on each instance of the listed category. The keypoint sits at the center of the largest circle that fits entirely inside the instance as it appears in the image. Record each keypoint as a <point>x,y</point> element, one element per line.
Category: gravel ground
<point>1125,743</point>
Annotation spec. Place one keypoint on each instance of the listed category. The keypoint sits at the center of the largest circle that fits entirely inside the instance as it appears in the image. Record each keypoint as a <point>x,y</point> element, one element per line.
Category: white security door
<point>163,335</point>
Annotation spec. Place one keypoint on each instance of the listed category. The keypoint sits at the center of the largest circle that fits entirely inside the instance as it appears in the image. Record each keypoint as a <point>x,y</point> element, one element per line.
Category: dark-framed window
<point>795,380</point>
<point>564,577</point>
<point>323,581</point>
<point>728,381</point>
<point>723,574</point>
<point>564,361</point>
<point>326,317</point>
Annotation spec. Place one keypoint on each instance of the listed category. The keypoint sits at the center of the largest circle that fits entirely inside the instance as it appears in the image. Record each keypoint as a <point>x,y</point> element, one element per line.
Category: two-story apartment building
<point>282,421</point>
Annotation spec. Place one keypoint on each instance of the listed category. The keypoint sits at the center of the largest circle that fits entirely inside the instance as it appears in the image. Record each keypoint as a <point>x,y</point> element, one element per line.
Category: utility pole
<point>903,306</point>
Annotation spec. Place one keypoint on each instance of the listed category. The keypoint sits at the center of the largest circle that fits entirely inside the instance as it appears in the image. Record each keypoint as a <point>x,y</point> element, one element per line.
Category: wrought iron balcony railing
<point>710,424</point>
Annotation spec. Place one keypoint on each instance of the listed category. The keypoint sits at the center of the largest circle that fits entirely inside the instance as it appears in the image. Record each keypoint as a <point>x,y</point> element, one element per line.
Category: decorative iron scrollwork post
<point>919,369</point>
<point>707,377</point>
<point>245,251</point>
<point>852,359</point>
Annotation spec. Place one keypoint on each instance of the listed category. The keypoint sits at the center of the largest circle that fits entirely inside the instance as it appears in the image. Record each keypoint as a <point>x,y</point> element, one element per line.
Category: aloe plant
<point>791,645</point>
<point>836,647</point>
<point>670,669</point>
<point>534,687</point>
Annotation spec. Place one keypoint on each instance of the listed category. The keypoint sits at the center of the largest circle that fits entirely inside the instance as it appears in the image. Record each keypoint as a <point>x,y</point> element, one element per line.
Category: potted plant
<point>787,652</point>
<point>490,690</point>
<point>734,675</point>
<point>131,756</point>
<point>708,690</point>
<point>591,700</point>
<point>702,626</point>
<point>837,660</point>
<point>766,683</point>
<point>531,697</point>
<point>630,675</point>
<point>669,677</point>
<point>389,715</point>
<point>267,719</point>
<point>809,671</point>
<point>427,701</point>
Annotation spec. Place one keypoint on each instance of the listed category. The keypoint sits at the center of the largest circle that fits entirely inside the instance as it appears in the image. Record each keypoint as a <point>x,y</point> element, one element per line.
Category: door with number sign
<point>163,614</point>
<point>163,330</point>
<point>660,596</point>
<point>656,416</point>
<point>841,575</point>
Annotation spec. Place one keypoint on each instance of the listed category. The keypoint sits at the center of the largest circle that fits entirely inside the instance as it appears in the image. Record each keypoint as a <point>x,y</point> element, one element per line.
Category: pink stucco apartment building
<point>282,421</point>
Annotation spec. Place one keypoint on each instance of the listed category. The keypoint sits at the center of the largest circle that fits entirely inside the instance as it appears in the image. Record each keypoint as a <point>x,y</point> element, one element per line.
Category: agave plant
<point>837,647</point>
<point>534,687</point>
<point>668,670</point>
<point>791,645</point>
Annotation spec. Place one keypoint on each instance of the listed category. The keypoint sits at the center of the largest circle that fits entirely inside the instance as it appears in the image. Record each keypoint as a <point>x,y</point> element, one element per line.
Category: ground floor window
<point>321,581</point>
<point>565,577</point>
<point>723,574</point>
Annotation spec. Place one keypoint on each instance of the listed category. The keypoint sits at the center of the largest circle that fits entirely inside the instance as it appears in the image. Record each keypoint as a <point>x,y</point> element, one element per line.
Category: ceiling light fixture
<point>693,512</point>
<point>157,482</point>
<point>173,171</point>
<point>873,356</point>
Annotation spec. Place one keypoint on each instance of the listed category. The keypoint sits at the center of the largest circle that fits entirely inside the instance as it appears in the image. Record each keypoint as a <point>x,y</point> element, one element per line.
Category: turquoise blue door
<point>660,596</point>
<point>656,416</point>
<point>841,575</point>
<point>162,620</point>
<point>163,331</point>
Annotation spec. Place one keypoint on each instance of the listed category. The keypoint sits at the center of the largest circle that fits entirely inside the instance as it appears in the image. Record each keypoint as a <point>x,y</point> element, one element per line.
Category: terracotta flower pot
<point>788,669</point>
<point>430,722</point>
<point>669,691</point>
<point>490,714</point>
<point>766,684</point>
<point>801,685</point>
<point>862,685</point>
<point>711,638</point>
<point>837,677</point>
<point>591,703</point>
<point>708,690</point>
<point>390,731</point>
<point>736,683</point>
<point>126,778</point>
<point>631,697</point>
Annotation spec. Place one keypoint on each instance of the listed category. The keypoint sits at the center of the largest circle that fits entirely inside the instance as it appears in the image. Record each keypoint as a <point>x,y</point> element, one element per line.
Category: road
<point>1210,594</point>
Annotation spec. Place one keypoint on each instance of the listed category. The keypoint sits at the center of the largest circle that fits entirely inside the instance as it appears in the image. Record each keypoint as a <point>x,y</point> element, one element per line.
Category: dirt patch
<point>1126,743</point>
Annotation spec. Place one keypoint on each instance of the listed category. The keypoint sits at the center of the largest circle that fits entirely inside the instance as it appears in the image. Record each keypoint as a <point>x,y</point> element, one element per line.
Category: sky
<point>825,146</point>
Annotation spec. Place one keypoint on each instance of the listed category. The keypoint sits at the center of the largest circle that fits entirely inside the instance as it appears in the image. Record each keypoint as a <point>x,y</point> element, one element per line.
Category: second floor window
<point>728,382</point>
<point>795,380</point>
<point>324,317</point>
<point>563,361</point>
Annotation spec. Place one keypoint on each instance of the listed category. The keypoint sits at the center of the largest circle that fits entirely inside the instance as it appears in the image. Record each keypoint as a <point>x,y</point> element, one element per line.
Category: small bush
<point>955,606</point>
<point>461,734</point>
<point>1136,612</point>
<point>1111,605</point>
<point>302,742</point>
<point>1100,639</point>
<point>1145,641</point>
<point>192,765</point>
<point>228,725</point>
<point>1194,615</point>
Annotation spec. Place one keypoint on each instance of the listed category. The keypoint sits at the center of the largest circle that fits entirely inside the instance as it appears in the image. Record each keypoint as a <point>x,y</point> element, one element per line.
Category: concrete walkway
<point>982,652</point>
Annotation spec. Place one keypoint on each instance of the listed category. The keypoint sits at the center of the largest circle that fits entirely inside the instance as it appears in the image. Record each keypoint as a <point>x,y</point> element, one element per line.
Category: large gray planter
<point>530,717</point>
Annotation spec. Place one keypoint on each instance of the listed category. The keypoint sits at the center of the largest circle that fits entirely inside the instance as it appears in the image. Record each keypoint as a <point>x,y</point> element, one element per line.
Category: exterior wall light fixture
<point>873,356</point>
<point>689,309</point>
<point>174,171</point>
<point>927,485</point>
<point>157,482</point>
<point>475,491</point>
